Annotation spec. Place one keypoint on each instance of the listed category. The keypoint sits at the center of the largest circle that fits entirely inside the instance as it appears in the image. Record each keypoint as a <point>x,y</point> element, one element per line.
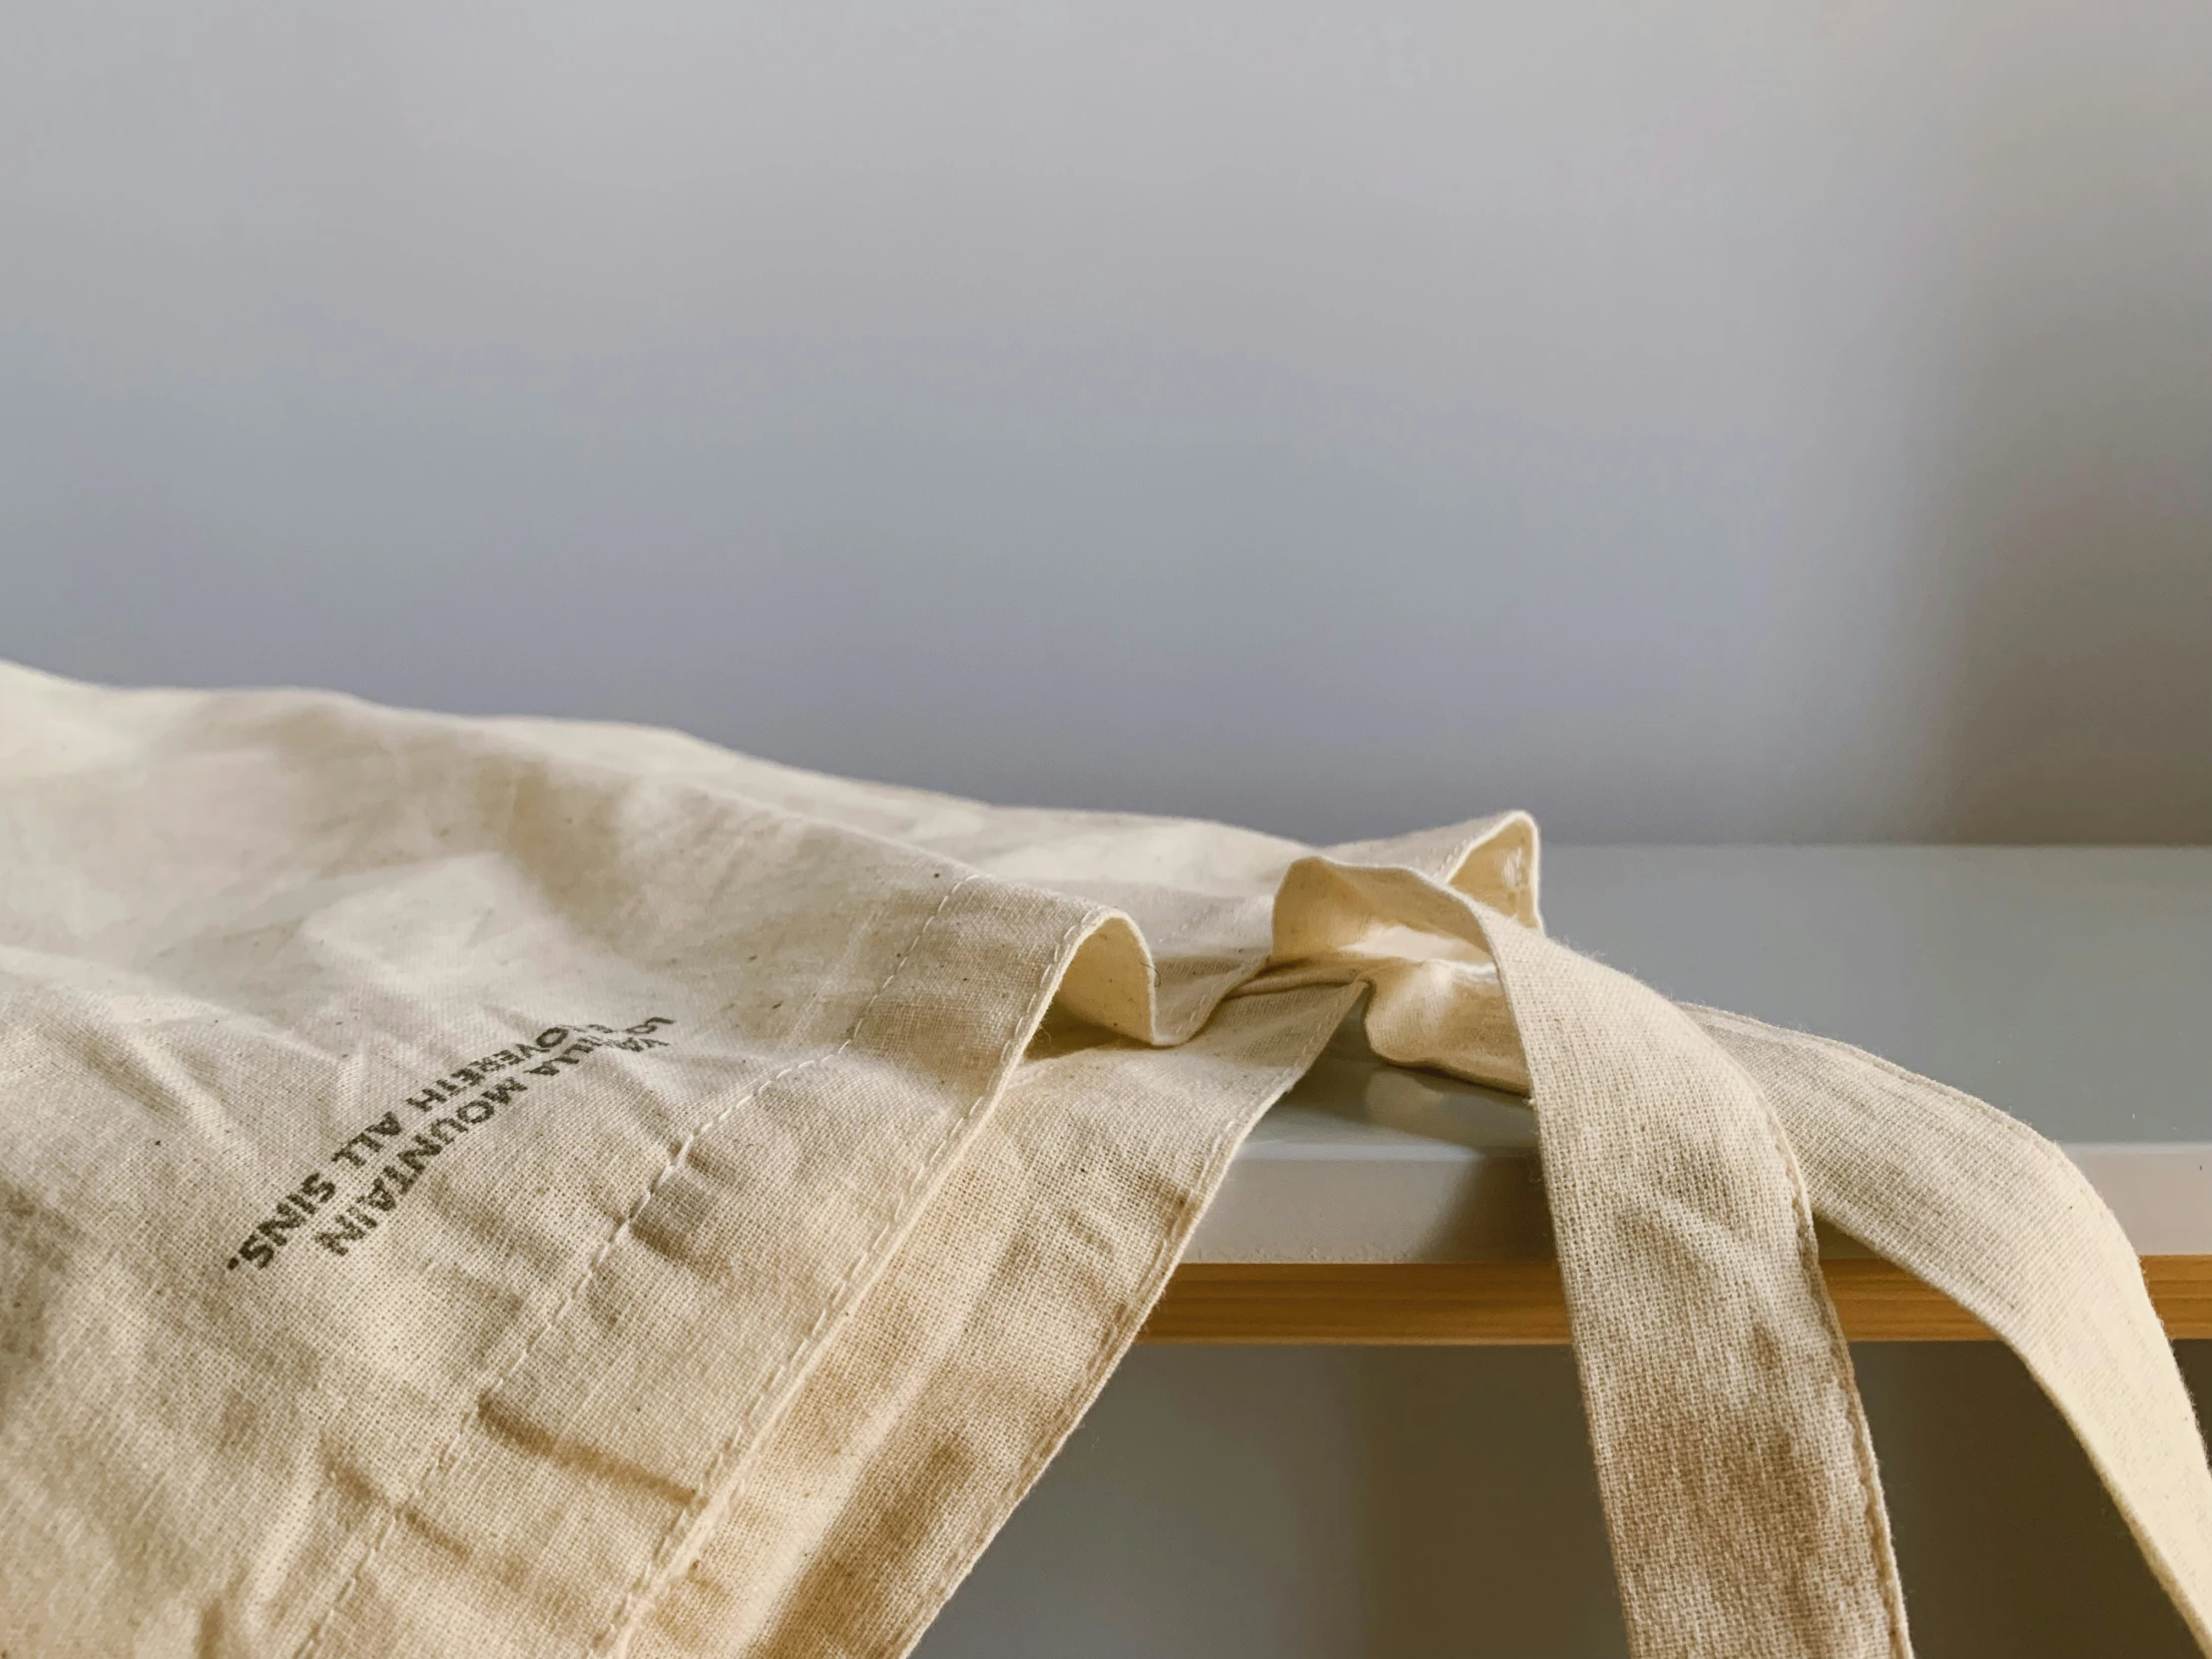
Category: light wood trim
<point>1521,1302</point>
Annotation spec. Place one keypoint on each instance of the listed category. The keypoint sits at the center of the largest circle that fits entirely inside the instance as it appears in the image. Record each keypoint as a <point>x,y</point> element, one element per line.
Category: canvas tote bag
<point>531,1187</point>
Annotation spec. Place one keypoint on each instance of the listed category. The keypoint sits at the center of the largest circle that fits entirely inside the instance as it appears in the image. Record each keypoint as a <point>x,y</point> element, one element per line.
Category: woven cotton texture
<point>535,1188</point>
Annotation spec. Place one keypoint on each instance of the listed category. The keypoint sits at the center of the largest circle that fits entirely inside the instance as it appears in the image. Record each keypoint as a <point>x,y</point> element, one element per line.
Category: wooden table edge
<point>1519,1301</point>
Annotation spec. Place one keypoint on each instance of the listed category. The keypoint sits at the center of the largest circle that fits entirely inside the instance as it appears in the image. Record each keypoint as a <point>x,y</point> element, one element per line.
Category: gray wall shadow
<point>2072,590</point>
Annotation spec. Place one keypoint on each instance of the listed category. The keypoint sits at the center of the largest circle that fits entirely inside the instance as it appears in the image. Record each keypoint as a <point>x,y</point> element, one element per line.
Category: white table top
<point>2070,987</point>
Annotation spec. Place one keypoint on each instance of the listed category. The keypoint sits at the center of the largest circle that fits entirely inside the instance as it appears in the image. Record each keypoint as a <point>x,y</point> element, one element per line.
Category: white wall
<point>1716,421</point>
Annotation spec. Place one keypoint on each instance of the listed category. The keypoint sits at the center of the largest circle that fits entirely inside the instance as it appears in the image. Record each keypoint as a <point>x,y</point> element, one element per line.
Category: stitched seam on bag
<point>675,1160</point>
<point>1111,1346</point>
<point>846,1294</point>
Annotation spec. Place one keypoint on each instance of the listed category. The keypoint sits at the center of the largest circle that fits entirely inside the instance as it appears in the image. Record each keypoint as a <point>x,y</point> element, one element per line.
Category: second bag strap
<point>1997,1218</point>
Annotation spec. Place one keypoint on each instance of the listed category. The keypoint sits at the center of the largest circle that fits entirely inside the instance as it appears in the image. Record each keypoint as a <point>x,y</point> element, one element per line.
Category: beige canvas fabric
<point>533,1188</point>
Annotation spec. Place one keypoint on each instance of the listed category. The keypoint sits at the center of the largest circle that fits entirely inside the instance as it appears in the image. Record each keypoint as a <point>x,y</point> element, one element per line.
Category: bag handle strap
<point>1732,1455</point>
<point>1998,1219</point>
<point>1739,1477</point>
<point>1685,1153</point>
